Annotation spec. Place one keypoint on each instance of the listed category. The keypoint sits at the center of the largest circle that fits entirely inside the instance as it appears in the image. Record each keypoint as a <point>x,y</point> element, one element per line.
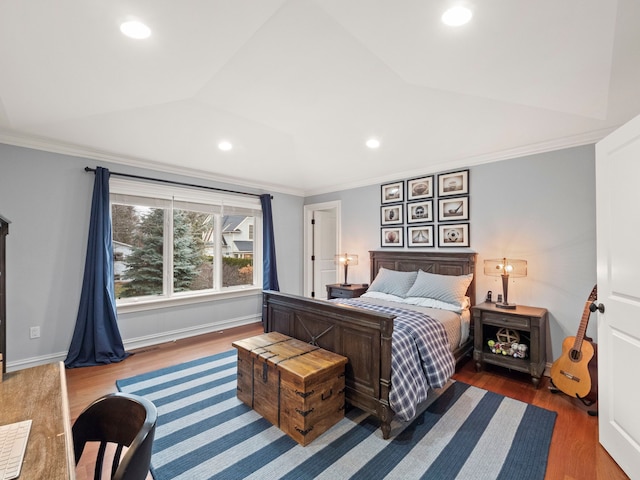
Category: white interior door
<point>618,229</point>
<point>326,247</point>
<point>322,243</point>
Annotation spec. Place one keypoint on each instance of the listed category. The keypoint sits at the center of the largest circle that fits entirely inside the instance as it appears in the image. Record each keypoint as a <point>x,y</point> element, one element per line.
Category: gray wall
<point>47,197</point>
<point>540,208</point>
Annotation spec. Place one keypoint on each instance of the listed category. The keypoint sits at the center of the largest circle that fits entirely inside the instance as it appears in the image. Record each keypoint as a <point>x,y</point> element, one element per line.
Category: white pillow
<point>392,282</point>
<point>431,303</point>
<point>383,296</point>
<point>445,288</point>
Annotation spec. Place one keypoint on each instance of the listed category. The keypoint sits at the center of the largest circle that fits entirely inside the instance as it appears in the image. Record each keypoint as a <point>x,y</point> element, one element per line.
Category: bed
<point>362,335</point>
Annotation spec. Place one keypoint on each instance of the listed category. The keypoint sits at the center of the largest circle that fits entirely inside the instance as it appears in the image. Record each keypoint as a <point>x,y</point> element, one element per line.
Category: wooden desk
<point>40,394</point>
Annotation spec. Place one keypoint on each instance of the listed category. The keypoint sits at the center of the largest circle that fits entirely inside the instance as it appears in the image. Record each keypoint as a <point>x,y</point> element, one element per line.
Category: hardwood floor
<point>575,453</point>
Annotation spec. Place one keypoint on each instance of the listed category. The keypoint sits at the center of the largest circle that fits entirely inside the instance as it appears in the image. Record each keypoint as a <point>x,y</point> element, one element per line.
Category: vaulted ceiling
<point>298,86</point>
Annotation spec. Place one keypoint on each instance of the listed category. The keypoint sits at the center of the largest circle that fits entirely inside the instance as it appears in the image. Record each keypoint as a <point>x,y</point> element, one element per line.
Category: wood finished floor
<point>575,453</point>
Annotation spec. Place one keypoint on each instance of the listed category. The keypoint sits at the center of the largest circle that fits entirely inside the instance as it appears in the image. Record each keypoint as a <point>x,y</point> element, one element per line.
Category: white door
<point>618,231</point>
<point>325,243</point>
<point>322,234</point>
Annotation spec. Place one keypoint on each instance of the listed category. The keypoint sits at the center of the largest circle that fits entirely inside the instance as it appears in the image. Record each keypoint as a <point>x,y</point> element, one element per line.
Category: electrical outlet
<point>34,332</point>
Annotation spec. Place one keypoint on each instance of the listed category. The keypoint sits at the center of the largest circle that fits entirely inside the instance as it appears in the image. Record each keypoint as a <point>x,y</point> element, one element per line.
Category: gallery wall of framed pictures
<point>424,209</point>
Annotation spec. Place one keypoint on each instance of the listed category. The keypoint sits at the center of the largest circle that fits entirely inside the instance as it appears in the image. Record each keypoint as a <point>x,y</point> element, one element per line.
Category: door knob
<point>593,307</point>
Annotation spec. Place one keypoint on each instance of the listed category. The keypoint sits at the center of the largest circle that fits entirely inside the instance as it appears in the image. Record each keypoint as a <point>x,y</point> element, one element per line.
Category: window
<point>172,243</point>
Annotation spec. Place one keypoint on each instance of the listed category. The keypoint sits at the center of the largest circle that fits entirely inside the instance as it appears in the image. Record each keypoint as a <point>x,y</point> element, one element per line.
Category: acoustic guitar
<point>575,371</point>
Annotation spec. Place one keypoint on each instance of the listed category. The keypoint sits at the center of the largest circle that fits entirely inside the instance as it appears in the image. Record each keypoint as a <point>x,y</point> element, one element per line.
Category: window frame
<point>171,193</point>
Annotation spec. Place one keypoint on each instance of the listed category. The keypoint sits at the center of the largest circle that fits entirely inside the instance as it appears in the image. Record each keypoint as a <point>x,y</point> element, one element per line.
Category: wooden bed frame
<point>363,336</point>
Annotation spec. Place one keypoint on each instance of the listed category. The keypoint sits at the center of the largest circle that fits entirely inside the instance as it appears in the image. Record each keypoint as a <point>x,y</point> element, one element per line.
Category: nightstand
<point>530,323</point>
<point>354,290</point>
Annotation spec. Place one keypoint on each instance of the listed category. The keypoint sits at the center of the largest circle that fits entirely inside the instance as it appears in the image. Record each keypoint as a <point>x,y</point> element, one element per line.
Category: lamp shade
<point>346,259</point>
<point>505,268</point>
<point>500,266</point>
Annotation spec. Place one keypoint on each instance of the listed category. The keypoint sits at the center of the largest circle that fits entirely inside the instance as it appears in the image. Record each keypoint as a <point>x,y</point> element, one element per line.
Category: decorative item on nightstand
<point>346,259</point>
<point>502,267</point>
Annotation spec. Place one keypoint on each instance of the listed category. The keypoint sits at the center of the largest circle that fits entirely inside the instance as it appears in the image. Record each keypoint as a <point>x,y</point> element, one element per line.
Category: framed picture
<point>392,237</point>
<point>453,235</point>
<point>453,209</point>
<point>420,236</point>
<point>391,214</point>
<point>392,192</point>
<point>420,212</point>
<point>419,188</point>
<point>455,183</point>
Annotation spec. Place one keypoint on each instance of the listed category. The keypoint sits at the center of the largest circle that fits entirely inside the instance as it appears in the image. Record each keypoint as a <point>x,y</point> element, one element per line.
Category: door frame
<point>308,239</point>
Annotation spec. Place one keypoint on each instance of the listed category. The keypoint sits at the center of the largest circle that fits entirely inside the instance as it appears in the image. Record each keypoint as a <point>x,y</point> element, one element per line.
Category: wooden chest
<point>295,385</point>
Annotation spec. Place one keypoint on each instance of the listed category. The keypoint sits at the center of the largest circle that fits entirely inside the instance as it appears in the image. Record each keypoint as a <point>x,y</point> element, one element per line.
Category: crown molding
<point>465,162</point>
<point>48,145</point>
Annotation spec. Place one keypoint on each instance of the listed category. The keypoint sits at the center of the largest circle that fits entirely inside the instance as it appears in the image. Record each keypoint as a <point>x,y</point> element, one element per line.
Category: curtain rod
<point>173,182</point>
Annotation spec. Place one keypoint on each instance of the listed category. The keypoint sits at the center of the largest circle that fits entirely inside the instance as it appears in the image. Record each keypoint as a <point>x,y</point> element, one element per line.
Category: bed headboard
<point>441,263</point>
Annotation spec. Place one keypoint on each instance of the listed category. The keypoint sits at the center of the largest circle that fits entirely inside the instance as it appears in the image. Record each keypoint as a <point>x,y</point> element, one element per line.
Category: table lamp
<point>502,267</point>
<point>346,259</point>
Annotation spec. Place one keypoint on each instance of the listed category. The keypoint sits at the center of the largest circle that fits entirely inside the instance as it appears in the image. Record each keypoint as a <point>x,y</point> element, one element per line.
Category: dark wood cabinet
<point>528,323</point>
<point>354,290</point>
<point>4,231</point>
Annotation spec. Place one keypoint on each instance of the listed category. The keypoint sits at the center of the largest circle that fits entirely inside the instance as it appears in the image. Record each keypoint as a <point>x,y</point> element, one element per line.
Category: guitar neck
<point>577,344</point>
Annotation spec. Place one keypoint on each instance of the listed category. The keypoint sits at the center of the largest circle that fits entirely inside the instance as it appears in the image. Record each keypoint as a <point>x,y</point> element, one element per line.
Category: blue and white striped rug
<point>205,432</point>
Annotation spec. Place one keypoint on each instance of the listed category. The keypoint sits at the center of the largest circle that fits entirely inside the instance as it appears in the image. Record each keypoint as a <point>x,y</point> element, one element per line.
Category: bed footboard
<point>363,336</point>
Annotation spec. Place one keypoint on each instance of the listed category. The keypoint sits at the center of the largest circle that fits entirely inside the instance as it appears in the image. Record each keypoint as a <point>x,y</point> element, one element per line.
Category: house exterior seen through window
<point>171,242</point>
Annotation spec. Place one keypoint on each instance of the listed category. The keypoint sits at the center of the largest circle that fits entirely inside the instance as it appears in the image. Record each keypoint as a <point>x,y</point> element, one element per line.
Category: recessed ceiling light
<point>135,29</point>
<point>456,16</point>
<point>225,146</point>
<point>373,143</point>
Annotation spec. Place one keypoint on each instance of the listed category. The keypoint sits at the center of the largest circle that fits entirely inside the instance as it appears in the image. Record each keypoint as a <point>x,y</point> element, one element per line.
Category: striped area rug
<point>205,432</point>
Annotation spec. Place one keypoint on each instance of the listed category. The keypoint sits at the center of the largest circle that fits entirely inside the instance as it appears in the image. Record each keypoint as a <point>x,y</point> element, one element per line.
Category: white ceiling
<point>298,85</point>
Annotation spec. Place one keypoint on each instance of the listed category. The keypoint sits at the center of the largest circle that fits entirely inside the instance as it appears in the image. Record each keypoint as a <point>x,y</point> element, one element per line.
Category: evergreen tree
<point>124,221</point>
<point>188,249</point>
<point>144,264</point>
<point>201,225</point>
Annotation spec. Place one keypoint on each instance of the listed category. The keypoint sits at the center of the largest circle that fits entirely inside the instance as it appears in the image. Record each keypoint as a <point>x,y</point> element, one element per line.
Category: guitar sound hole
<point>575,355</point>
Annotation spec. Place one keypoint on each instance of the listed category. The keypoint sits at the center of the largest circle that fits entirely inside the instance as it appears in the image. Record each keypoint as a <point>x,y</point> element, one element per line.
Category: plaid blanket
<point>420,356</point>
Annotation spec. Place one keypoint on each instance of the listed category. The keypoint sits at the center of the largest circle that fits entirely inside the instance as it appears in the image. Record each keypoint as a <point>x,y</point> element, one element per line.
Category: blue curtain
<point>96,338</point>
<point>269,271</point>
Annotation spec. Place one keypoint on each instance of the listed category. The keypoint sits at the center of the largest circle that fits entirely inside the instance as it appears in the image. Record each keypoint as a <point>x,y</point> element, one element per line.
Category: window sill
<point>144,305</point>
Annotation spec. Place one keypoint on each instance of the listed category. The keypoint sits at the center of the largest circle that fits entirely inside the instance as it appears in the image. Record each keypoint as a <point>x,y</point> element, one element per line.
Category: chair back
<point>122,419</point>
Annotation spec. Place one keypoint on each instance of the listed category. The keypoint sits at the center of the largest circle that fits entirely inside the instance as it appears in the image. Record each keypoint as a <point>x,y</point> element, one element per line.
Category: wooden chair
<point>124,420</point>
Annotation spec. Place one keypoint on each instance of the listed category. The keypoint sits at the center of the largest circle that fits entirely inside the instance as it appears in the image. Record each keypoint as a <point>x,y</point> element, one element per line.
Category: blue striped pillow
<point>393,282</point>
<point>446,288</point>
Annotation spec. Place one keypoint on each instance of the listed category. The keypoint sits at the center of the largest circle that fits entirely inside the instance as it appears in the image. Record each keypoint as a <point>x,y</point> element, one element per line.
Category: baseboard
<point>164,337</point>
<point>35,361</point>
<point>142,342</point>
